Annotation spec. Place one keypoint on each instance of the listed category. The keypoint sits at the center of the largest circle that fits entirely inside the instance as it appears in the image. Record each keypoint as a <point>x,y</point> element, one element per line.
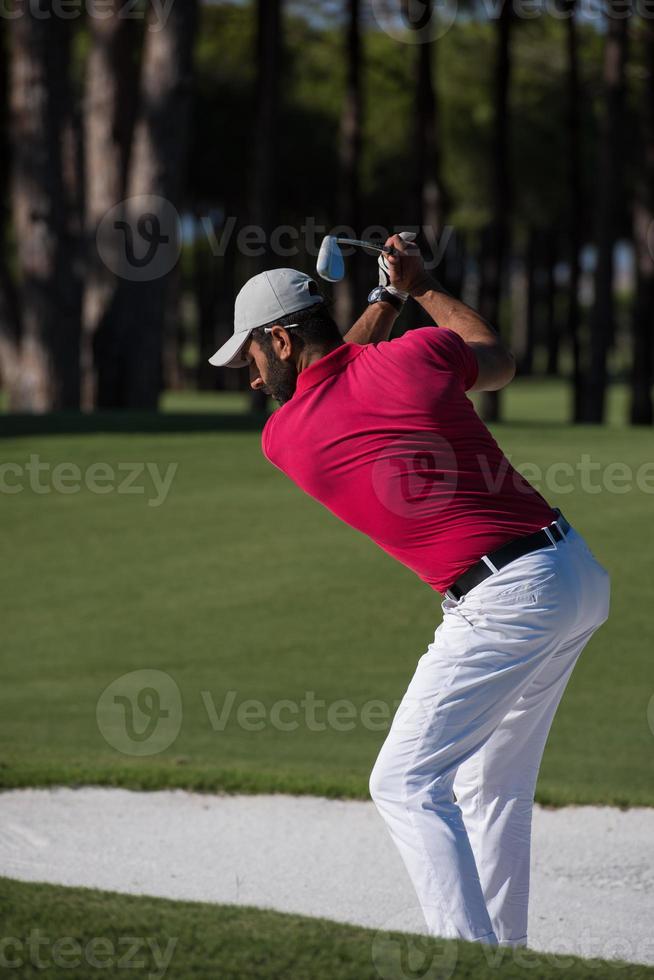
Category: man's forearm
<point>374,324</point>
<point>452,313</point>
<point>495,360</point>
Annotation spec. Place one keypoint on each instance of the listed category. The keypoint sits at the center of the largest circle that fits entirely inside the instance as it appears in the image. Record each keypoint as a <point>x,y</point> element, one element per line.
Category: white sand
<point>592,869</point>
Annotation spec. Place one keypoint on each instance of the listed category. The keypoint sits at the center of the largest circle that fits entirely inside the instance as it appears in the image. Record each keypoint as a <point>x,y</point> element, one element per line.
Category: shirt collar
<point>330,364</point>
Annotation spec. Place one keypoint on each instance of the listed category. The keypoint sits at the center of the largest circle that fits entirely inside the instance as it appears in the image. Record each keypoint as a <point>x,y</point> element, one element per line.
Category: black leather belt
<point>492,562</point>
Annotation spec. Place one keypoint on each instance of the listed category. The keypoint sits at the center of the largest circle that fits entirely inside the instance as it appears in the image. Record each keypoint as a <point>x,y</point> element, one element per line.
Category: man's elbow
<point>497,367</point>
<point>506,369</point>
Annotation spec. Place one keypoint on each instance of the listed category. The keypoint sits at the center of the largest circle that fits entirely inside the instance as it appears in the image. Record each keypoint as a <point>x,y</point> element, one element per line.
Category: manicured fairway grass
<point>536,399</point>
<point>241,588</point>
<point>108,934</point>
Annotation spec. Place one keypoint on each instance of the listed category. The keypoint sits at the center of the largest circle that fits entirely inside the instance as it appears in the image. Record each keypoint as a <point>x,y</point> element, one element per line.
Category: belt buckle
<point>560,517</point>
<point>548,531</point>
<point>549,534</point>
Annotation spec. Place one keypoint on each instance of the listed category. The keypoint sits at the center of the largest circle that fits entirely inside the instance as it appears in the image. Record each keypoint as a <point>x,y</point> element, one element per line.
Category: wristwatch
<point>381,295</point>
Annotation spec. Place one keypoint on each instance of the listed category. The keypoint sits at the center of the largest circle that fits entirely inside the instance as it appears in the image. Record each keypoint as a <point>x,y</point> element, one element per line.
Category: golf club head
<point>330,265</point>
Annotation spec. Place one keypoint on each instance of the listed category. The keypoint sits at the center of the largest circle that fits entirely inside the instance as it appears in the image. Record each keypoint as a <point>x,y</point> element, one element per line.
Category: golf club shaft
<point>371,245</point>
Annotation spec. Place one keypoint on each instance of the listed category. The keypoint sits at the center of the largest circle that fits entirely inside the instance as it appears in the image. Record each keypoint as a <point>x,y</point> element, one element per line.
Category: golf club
<point>330,265</point>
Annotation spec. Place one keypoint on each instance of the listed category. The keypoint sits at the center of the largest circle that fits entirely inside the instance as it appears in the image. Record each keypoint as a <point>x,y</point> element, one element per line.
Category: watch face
<point>381,294</point>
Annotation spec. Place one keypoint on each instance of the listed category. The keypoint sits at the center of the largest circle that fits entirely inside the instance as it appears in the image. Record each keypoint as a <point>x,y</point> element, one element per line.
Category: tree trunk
<point>207,273</point>
<point>551,323</point>
<point>426,205</point>
<point>429,186</point>
<point>608,202</point>
<point>457,258</point>
<point>226,289</point>
<point>9,309</point>
<point>496,239</point>
<point>265,135</point>
<point>47,356</point>
<point>263,208</point>
<point>575,208</point>
<point>109,109</point>
<point>426,196</point>
<point>641,412</point>
<point>347,291</point>
<point>173,335</point>
<point>129,340</point>
<point>524,348</point>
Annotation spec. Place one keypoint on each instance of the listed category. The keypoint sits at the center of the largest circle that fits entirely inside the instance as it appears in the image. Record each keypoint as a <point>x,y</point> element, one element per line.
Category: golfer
<point>383,434</point>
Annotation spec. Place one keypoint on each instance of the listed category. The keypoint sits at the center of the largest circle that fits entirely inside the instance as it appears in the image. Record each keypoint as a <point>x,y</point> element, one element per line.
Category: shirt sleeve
<point>446,350</point>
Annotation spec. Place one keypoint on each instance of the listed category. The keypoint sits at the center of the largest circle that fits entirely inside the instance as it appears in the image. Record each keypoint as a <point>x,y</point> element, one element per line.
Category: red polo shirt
<point>386,438</point>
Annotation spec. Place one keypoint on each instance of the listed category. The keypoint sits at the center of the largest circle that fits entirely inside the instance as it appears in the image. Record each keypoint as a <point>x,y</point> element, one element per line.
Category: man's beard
<point>282,379</point>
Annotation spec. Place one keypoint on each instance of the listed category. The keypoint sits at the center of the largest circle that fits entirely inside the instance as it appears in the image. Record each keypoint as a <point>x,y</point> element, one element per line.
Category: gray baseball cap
<point>262,300</point>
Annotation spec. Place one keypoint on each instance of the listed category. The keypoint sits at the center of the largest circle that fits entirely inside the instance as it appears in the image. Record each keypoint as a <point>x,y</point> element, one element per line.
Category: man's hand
<point>385,272</point>
<point>406,270</point>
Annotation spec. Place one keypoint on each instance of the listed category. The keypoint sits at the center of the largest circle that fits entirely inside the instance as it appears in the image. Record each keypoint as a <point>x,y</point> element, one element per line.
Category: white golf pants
<point>455,778</point>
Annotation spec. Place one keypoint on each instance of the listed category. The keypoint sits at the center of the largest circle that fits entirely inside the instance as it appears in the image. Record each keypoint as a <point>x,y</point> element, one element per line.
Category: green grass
<point>240,583</point>
<point>205,401</point>
<point>540,399</point>
<point>79,932</point>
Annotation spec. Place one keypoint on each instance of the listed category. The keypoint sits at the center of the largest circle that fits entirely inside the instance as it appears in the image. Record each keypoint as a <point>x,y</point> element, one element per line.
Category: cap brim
<point>229,355</point>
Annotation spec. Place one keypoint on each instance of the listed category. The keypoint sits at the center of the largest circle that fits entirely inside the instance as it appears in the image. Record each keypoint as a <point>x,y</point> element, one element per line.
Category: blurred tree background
<point>517,136</point>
